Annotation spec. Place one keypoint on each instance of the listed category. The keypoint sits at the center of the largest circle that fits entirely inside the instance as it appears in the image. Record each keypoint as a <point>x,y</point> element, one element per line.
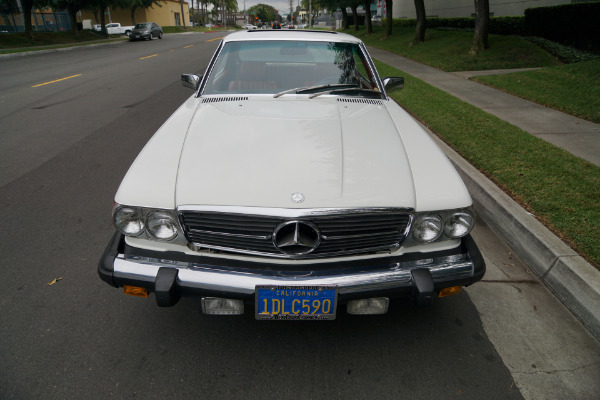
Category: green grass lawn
<point>449,50</point>
<point>561,190</point>
<point>11,41</point>
<point>572,88</point>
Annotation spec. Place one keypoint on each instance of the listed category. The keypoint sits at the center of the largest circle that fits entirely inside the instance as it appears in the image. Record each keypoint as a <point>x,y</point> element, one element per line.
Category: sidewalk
<point>570,277</point>
<point>577,136</point>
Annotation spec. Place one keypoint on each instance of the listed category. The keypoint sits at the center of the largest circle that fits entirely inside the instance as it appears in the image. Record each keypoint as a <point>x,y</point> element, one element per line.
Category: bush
<point>571,24</point>
<point>498,25</point>
<point>566,54</point>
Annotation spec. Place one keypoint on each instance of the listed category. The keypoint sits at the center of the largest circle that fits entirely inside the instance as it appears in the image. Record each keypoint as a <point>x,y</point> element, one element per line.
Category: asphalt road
<point>64,147</point>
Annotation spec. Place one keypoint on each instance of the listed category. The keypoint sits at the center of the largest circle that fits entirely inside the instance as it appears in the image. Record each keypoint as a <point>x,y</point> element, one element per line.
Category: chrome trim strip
<point>199,246</point>
<point>360,236</point>
<point>197,276</point>
<point>374,70</point>
<point>240,235</point>
<point>291,212</point>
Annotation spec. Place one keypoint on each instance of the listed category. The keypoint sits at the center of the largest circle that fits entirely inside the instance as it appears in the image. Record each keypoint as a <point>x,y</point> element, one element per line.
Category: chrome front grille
<point>355,231</point>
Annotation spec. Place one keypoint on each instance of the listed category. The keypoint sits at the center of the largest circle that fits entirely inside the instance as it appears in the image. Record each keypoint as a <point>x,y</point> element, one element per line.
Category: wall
<point>465,8</point>
<point>163,16</point>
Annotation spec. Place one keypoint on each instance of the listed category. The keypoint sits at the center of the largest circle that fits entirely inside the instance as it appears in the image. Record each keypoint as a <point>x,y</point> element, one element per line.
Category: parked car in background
<point>249,26</point>
<point>115,28</point>
<point>146,31</point>
<point>97,27</point>
<point>349,206</point>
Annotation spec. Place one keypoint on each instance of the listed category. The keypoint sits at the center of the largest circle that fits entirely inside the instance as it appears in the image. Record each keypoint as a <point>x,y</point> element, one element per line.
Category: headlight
<point>428,228</point>
<point>458,224</point>
<point>129,221</point>
<point>161,225</point>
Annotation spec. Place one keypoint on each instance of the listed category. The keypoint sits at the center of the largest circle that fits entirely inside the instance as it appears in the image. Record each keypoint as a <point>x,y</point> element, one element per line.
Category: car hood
<point>258,151</point>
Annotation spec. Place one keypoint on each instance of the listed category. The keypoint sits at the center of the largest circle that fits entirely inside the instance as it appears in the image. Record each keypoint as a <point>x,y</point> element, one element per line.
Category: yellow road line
<point>191,45</point>
<point>58,80</point>
<point>212,40</point>
<point>153,55</point>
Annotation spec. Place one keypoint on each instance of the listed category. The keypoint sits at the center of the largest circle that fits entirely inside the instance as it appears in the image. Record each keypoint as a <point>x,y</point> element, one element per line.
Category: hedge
<point>576,25</point>
<point>498,25</point>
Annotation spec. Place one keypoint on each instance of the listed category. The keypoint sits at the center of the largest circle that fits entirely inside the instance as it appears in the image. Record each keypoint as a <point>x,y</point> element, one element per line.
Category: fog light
<point>135,291</point>
<point>217,306</point>
<point>449,291</point>
<point>375,305</point>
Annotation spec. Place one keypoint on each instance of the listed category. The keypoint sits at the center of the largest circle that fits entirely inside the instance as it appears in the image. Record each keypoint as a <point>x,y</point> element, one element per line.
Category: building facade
<point>167,14</point>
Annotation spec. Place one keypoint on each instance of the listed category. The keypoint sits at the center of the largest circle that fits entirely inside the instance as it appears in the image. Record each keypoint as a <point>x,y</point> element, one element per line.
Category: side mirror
<point>191,81</point>
<point>393,83</point>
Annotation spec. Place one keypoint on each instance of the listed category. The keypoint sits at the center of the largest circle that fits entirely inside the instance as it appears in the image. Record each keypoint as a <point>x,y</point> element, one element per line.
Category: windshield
<point>142,26</point>
<point>275,66</point>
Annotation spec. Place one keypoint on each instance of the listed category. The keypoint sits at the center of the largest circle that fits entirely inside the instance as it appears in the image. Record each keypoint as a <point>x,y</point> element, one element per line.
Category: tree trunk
<point>368,23</point>
<point>420,31</point>
<point>73,15</point>
<point>27,6</point>
<point>482,20</point>
<point>344,18</point>
<point>133,15</point>
<point>103,22</point>
<point>182,14</point>
<point>354,9</point>
<point>388,17</point>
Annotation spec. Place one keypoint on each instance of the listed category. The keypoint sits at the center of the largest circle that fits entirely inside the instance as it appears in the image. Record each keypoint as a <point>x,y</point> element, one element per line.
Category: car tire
<point>150,37</point>
<point>160,35</point>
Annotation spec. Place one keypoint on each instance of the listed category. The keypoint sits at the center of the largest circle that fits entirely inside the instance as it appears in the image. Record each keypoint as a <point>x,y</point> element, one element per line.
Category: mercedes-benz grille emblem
<point>296,238</point>
<point>297,197</point>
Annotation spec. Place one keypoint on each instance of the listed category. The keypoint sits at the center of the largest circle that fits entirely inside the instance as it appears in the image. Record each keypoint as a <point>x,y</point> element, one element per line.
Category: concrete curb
<point>568,275</point>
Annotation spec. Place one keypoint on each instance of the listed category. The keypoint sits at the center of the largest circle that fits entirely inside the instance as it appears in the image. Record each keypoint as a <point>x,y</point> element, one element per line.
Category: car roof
<point>282,34</point>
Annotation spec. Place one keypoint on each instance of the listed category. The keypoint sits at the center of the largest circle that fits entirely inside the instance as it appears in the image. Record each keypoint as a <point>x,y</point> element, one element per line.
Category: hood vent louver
<point>363,101</point>
<point>221,99</point>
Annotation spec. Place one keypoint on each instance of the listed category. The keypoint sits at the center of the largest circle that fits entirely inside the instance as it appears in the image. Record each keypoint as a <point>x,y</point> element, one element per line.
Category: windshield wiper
<point>357,90</point>
<point>318,87</point>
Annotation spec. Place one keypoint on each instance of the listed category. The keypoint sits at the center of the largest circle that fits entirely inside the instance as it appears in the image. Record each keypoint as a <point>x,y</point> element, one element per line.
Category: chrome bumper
<point>463,267</point>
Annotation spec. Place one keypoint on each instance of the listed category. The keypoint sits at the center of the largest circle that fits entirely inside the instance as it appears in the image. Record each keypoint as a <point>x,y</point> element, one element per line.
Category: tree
<point>368,24</point>
<point>182,14</point>
<point>388,17</point>
<point>482,21</point>
<point>420,30</point>
<point>263,12</point>
<point>135,4</point>
<point>354,7</point>
<point>27,5</point>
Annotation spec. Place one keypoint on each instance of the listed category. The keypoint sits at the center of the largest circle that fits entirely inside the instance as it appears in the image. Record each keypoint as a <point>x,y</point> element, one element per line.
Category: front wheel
<point>150,37</point>
<point>160,35</point>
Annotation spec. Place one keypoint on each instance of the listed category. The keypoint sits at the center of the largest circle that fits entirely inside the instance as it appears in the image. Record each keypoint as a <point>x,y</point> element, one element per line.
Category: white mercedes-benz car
<point>291,186</point>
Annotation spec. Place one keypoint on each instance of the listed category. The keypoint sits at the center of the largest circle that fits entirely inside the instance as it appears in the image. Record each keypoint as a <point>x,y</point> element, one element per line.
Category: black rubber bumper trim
<point>170,292</point>
<point>165,287</point>
<point>424,286</point>
<point>107,262</point>
<point>475,255</point>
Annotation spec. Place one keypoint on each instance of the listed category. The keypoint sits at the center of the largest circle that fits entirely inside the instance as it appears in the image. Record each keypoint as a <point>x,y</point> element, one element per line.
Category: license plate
<point>296,302</point>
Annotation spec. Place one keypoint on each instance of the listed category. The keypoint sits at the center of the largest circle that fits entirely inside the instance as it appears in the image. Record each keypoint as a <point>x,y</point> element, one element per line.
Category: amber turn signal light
<point>449,291</point>
<point>135,291</point>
